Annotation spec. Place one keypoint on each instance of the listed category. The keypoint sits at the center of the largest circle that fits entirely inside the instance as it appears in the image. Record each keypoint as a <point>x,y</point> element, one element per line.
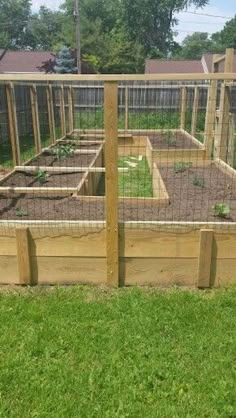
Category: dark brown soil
<point>172,140</point>
<point>78,160</point>
<point>54,180</point>
<point>187,202</point>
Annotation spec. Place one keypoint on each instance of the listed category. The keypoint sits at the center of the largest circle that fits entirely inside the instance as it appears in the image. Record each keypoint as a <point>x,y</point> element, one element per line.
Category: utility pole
<point>77,34</point>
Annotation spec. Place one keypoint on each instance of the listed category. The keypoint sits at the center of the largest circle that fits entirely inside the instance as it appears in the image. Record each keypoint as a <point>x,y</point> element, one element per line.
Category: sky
<point>188,23</point>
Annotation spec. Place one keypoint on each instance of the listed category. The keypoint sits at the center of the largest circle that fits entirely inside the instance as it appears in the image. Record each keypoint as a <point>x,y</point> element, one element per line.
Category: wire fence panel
<point>117,158</point>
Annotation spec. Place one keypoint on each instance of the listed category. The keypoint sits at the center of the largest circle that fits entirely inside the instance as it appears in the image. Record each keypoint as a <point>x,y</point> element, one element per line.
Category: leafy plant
<point>198,181</point>
<point>62,152</point>
<point>181,166</point>
<point>41,176</point>
<point>21,212</point>
<point>221,209</point>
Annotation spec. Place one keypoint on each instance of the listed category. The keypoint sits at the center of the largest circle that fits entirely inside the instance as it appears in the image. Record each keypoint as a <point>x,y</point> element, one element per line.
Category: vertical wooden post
<point>210,118</point>
<point>205,258</point>
<point>23,256</point>
<point>126,108</point>
<point>111,164</point>
<point>183,107</point>
<point>51,116</point>
<point>13,125</point>
<point>62,111</point>
<point>222,134</point>
<point>35,118</point>
<point>71,109</point>
<point>195,111</point>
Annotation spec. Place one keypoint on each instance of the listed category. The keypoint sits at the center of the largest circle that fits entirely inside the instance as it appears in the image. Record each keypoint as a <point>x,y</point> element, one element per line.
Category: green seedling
<point>181,167</point>
<point>198,181</point>
<point>170,139</point>
<point>221,209</point>
<point>62,152</point>
<point>21,212</point>
<point>41,176</point>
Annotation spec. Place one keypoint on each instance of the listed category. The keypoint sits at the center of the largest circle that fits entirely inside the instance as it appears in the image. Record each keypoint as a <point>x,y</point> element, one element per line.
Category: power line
<point>208,15</point>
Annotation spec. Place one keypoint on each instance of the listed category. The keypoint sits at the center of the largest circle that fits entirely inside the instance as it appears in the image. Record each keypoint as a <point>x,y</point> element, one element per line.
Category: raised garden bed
<point>172,140</point>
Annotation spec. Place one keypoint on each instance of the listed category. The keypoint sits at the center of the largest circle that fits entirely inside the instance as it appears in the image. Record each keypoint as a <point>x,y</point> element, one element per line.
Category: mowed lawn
<point>87,352</point>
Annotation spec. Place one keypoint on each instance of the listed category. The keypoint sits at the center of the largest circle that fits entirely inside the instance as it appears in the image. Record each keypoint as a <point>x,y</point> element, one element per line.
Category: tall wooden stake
<point>111,164</point>
<point>23,255</point>
<point>210,118</point>
<point>183,107</point>
<point>71,109</point>
<point>13,124</point>
<point>195,111</point>
<point>222,134</point>
<point>205,258</point>
<point>51,116</point>
<point>126,108</point>
<point>62,111</point>
<point>35,118</point>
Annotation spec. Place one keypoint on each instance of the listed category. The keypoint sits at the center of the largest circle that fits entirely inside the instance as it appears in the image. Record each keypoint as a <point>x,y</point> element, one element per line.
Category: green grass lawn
<point>96,353</point>
<point>137,182</point>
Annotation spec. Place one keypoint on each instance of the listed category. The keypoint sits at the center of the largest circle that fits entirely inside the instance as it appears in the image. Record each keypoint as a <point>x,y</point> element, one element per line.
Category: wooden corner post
<point>126,108</point>
<point>35,118</point>
<point>205,258</point>
<point>111,176</point>
<point>222,133</point>
<point>210,118</point>
<point>51,115</point>
<point>13,124</point>
<point>23,255</point>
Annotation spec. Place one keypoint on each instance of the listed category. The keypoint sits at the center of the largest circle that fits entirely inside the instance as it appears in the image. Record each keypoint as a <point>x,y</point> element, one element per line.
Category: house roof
<point>23,61</point>
<point>160,66</point>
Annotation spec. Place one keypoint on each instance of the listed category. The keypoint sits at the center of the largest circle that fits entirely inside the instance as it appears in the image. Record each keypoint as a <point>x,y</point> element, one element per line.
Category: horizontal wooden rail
<point>38,190</point>
<point>76,151</point>
<point>117,77</point>
<point>33,169</point>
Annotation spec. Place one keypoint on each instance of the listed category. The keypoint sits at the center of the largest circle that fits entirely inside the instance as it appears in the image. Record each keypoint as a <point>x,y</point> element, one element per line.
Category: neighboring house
<point>203,65</point>
<point>24,62</point>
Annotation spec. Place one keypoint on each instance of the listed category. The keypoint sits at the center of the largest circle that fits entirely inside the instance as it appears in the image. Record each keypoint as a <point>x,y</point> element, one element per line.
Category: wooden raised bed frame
<point>130,253</point>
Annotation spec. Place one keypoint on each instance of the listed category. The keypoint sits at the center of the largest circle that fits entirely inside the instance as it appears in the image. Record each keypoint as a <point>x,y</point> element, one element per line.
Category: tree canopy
<point>116,35</point>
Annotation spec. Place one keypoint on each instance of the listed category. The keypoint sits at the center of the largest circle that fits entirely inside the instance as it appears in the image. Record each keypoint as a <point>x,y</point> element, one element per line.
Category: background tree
<point>14,18</point>
<point>197,44</point>
<point>228,34</point>
<point>65,63</point>
<point>151,22</point>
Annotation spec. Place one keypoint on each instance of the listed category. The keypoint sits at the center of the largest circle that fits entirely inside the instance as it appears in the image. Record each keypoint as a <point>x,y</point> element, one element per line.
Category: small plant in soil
<point>198,181</point>
<point>62,152</point>
<point>41,176</point>
<point>21,212</point>
<point>170,139</point>
<point>221,210</point>
<point>181,167</point>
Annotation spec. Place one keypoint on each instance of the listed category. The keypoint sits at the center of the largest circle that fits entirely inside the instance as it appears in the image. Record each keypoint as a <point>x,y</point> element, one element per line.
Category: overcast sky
<point>188,23</point>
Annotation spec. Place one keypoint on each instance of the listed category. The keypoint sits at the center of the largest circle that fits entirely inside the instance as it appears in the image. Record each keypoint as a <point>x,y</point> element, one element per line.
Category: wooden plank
<point>13,124</point>
<point>69,270</point>
<point>158,185</point>
<point>9,270</point>
<point>167,156</point>
<point>205,258</point>
<point>33,169</point>
<point>195,111</point>
<point>126,108</point>
<point>71,108</point>
<point>62,110</point>
<point>160,272</point>
<point>35,118</point>
<point>117,77</point>
<point>231,141</point>
<point>23,255</point>
<point>183,107</point>
<point>51,115</point>
<point>210,119</point>
<point>111,180</point>
<point>225,168</point>
<point>63,191</point>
